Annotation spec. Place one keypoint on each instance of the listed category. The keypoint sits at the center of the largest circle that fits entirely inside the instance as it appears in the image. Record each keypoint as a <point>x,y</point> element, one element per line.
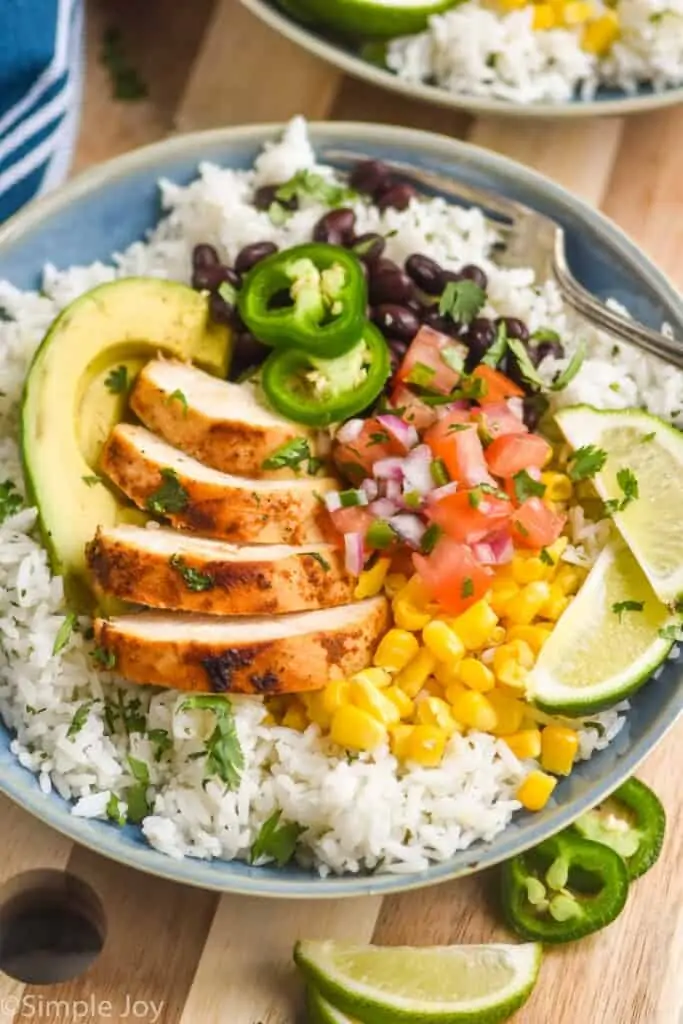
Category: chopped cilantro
<point>126,83</point>
<point>628,482</point>
<point>527,487</point>
<point>471,389</point>
<point>178,396</point>
<point>224,755</point>
<point>116,380</point>
<point>162,740</point>
<point>475,497</point>
<point>462,301</point>
<point>139,770</point>
<point>545,334</point>
<point>275,841</point>
<point>440,474</point>
<point>138,805</point>
<point>467,588</point>
<point>307,184</point>
<point>114,812</point>
<point>546,557</point>
<point>571,369</point>
<point>455,428</point>
<point>325,565</point>
<point>586,461</point>
<point>289,455</point>
<point>79,719</point>
<point>106,659</point>
<point>194,580</point>
<point>64,633</point>
<point>498,348</point>
<point>92,480</point>
<point>627,606</point>
<point>521,528</point>
<point>170,496</point>
<point>379,437</point>
<point>430,538</point>
<point>10,500</point>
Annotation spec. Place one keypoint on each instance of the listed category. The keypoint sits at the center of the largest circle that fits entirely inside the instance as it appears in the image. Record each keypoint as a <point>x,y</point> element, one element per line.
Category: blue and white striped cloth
<point>41,65</point>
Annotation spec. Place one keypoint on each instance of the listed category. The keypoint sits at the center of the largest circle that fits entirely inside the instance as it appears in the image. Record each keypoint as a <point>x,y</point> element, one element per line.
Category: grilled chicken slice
<point>168,569</point>
<point>169,483</point>
<point>277,654</point>
<point>223,425</point>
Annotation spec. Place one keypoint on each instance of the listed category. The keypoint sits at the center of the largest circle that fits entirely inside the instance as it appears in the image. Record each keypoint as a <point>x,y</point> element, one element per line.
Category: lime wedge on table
<point>367,18</point>
<point>433,985</point>
<point>322,1012</point>
<point>608,641</point>
<point>652,452</point>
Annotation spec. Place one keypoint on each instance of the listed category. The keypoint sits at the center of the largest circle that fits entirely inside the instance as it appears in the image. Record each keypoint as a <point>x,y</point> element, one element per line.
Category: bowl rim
<point>362,69</point>
<point>215,875</point>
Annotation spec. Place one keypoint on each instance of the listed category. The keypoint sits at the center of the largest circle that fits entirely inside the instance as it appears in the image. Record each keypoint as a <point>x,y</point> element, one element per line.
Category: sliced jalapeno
<point>632,822</point>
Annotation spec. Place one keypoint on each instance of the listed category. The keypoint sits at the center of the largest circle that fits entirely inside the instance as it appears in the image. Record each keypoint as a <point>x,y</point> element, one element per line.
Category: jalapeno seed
<point>335,227</point>
<point>396,197</point>
<point>252,254</point>
<point>426,273</point>
<point>396,321</point>
<point>391,286</point>
<point>369,176</point>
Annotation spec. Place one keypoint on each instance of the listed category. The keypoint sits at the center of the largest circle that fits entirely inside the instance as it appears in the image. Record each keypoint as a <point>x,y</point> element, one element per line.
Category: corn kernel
<point>475,711</point>
<point>399,736</point>
<point>525,744</point>
<point>600,35</point>
<point>374,677</point>
<point>368,697</point>
<point>524,610</point>
<point>435,711</point>
<point>426,745</point>
<point>295,717</point>
<point>558,486</point>
<point>498,634</point>
<point>371,581</point>
<point>354,728</point>
<point>454,691</point>
<point>503,592</point>
<point>512,5</point>
<point>443,642</point>
<point>534,636</point>
<point>393,583</point>
<point>569,578</point>
<point>447,674</point>
<point>315,707</point>
<point>404,704</point>
<point>535,791</point>
<point>527,569</point>
<point>509,713</point>
<point>544,17</point>
<point>576,12</point>
<point>415,592</point>
<point>396,649</point>
<point>476,675</point>
<point>409,616</point>
<point>559,747</point>
<point>555,605</point>
<point>432,688</point>
<point>475,625</point>
<point>335,695</point>
<point>413,677</point>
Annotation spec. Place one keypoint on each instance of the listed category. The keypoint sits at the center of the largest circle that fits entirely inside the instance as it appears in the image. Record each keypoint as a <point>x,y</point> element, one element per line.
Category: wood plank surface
<point>227,960</point>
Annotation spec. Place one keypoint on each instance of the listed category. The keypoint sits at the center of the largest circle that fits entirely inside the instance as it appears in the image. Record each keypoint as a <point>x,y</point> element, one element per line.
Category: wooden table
<point>226,960</point>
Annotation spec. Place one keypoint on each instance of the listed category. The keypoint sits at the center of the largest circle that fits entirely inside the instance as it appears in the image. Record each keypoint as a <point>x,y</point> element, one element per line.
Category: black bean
<point>369,176</point>
<point>396,321</point>
<point>210,278</point>
<point>382,264</point>
<point>248,352</point>
<point>335,227</point>
<point>222,312</point>
<point>252,254</point>
<point>368,247</point>
<point>426,273</point>
<point>475,274</point>
<point>396,197</point>
<point>541,349</point>
<point>397,351</point>
<point>479,337</point>
<point>391,286</point>
<point>451,275</point>
<point>204,256</point>
<point>265,196</point>
<point>514,328</point>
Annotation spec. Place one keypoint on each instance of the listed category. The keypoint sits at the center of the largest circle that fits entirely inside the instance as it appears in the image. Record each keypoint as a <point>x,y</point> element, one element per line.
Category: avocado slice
<point>77,390</point>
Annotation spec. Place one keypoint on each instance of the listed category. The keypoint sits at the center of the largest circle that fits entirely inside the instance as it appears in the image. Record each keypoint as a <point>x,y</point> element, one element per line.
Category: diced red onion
<point>349,431</point>
<point>417,470</point>
<point>369,486</point>
<point>383,508</point>
<point>460,405</point>
<point>443,492</point>
<point>501,546</point>
<point>354,553</point>
<point>410,528</point>
<point>483,553</point>
<point>393,490</point>
<point>389,469</point>
<point>403,432</point>
<point>516,407</point>
<point>534,472</point>
<point>333,501</point>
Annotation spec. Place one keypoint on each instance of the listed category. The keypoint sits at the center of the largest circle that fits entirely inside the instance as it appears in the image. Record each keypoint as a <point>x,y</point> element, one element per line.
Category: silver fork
<point>530,239</point>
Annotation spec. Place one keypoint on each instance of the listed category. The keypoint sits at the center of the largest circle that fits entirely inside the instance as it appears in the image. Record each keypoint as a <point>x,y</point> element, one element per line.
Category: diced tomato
<point>421,416</point>
<point>426,350</point>
<point>352,520</point>
<point>456,441</point>
<point>511,453</point>
<point>497,420</point>
<point>356,459</point>
<point>469,516</point>
<point>498,386</point>
<point>452,575</point>
<point>534,525</point>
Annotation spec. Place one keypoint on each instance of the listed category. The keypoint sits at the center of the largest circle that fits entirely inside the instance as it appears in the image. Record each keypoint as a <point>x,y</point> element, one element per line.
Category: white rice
<point>359,812</point>
<point>478,49</point>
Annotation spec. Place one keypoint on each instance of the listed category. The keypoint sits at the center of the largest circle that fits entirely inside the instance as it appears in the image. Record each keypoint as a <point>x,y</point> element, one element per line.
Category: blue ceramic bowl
<point>608,102</point>
<point>111,206</point>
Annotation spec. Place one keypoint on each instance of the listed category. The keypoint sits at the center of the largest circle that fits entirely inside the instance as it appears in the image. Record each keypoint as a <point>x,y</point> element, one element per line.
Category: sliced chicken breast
<point>168,569</point>
<point>278,654</point>
<point>223,425</point>
<point>171,484</point>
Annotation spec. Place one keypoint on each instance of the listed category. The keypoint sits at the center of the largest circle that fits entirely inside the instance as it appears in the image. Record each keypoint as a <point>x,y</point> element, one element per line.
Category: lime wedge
<point>368,18</point>
<point>652,452</point>
<point>608,643</point>
<point>322,1012</point>
<point>434,985</point>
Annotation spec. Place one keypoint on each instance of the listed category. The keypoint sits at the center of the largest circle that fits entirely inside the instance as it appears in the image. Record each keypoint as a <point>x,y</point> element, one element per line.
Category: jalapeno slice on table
<point>563,889</point>
<point>632,822</point>
<point>318,392</point>
<point>312,297</point>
